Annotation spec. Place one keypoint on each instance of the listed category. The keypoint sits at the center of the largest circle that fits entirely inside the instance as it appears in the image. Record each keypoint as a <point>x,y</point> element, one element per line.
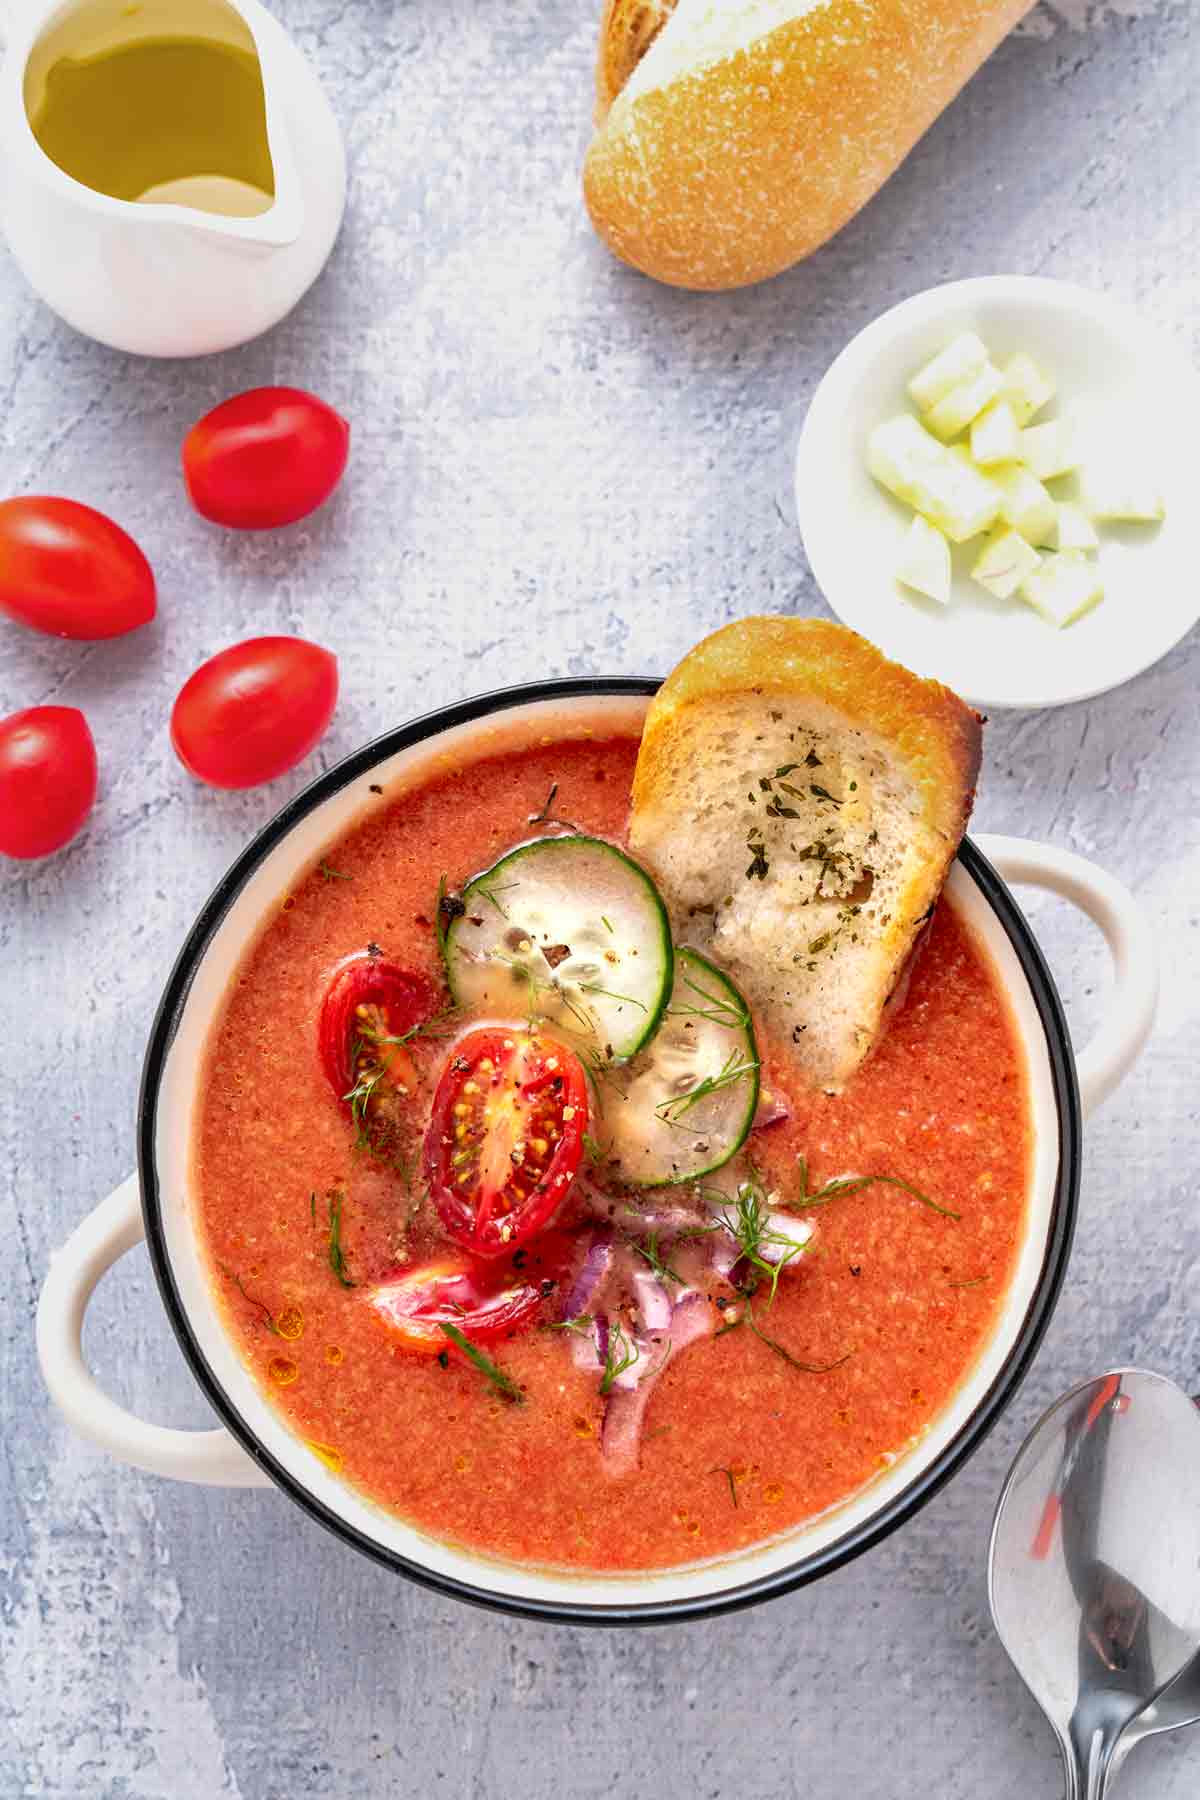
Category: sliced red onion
<point>596,1264</point>
<point>727,1253</point>
<point>773,1109</point>
<point>625,1413</point>
<point>783,1225</point>
<point>654,1302</point>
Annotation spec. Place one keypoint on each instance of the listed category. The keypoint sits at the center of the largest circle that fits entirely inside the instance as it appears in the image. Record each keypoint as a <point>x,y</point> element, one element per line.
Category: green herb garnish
<point>717,1009</point>
<point>337,1260</point>
<point>824,794</point>
<point>581,1324</point>
<point>842,1186</point>
<point>979,1281</point>
<point>620,1354</point>
<point>329,874</point>
<point>268,1317</point>
<point>607,924</point>
<point>751,1229</point>
<point>728,1474</point>
<point>503,1384</point>
<point>735,1068</point>
<point>650,1252</point>
<point>592,1150</point>
<point>490,894</point>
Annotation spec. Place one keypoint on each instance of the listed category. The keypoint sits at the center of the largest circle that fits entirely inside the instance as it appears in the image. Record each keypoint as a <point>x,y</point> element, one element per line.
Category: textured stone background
<point>556,467</point>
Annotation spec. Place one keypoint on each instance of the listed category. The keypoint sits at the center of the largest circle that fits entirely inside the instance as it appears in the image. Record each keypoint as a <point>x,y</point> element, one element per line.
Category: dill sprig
<point>844,1185</point>
<point>717,1009</point>
<point>337,1259</point>
<point>268,1317</point>
<point>735,1068</point>
<point>489,894</point>
<point>594,987</point>
<point>793,1362</point>
<point>750,1226</point>
<point>328,874</point>
<point>621,1352</point>
<point>651,1253</point>
<point>366,1087</point>
<point>503,1384</point>
<point>580,1325</point>
<point>728,1474</point>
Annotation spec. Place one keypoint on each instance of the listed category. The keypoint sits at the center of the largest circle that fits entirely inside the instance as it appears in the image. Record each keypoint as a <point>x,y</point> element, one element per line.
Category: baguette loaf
<point>799,800</point>
<point>735,136</point>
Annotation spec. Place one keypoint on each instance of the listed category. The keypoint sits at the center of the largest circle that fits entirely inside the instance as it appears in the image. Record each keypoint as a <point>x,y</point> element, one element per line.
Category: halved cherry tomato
<point>69,571</point>
<point>267,457</point>
<point>505,1137</point>
<point>485,1301</point>
<point>369,1001</point>
<point>254,711</point>
<point>47,779</point>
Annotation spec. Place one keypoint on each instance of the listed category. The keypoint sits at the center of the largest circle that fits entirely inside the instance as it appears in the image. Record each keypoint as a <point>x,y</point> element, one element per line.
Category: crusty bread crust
<point>933,731</point>
<point>627,30</point>
<point>733,173</point>
<point>815,672</point>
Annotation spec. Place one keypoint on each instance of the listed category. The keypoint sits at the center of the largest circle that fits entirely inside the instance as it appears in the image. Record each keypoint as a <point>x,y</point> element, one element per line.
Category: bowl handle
<point>1129,935</point>
<point>211,1457</point>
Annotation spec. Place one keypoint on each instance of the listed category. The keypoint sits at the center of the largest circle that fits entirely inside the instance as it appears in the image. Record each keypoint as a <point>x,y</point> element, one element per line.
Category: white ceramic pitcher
<point>168,279</point>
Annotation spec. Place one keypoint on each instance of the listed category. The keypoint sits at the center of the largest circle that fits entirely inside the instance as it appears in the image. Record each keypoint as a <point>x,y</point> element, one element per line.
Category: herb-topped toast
<point>800,799</point>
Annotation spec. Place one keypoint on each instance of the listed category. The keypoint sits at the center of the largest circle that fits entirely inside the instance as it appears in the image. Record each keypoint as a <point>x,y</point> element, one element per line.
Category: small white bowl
<point>996,653</point>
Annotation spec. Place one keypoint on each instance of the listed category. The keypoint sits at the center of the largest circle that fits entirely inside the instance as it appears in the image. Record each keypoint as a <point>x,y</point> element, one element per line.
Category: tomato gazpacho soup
<point>535,1235</point>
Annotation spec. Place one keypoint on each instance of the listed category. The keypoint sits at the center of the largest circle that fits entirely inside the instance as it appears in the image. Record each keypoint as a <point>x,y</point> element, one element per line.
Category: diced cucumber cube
<point>1111,490</point>
<point>925,561</point>
<point>1004,563</point>
<point>954,412</point>
<point>957,363</point>
<point>1063,587</point>
<point>1026,388</point>
<point>1073,530</point>
<point>946,489</point>
<point>995,435</point>
<point>1025,504</point>
<point>1048,450</point>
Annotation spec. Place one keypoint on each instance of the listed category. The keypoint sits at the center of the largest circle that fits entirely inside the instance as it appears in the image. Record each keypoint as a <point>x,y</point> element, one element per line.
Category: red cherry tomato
<point>67,570</point>
<point>484,1301</point>
<point>369,1002</point>
<point>47,779</point>
<point>505,1137</point>
<point>267,457</point>
<point>252,712</point>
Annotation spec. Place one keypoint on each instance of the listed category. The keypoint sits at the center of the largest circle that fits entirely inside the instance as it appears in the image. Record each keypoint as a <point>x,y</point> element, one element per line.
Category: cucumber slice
<point>687,1104</point>
<point>571,930</point>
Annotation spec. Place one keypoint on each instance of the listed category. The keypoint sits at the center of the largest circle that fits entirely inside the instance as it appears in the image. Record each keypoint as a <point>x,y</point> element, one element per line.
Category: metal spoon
<point>1176,1706</point>
<point>1094,1570</point>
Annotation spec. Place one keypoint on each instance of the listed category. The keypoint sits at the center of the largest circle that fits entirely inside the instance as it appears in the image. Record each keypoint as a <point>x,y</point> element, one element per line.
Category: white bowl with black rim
<point>253,1446</point>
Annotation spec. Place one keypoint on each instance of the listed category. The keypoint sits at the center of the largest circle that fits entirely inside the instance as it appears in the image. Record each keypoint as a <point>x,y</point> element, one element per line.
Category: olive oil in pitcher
<point>160,119</point>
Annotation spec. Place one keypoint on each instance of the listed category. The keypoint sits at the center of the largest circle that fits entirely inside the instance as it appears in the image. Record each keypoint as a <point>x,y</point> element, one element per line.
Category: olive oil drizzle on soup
<point>892,1300</point>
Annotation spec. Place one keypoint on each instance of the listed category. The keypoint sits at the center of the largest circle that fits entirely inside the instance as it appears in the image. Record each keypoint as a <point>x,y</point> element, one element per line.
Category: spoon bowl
<point>1094,1569</point>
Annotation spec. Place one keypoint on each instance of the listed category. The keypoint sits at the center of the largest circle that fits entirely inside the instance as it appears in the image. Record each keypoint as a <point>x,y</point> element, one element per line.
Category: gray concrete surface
<point>556,467</point>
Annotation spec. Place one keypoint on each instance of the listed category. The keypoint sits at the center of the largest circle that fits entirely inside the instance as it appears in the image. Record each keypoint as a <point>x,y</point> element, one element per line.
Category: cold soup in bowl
<point>535,1236</point>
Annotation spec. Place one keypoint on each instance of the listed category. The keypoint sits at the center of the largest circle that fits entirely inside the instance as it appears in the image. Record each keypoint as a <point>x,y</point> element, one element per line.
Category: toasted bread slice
<point>799,800</point>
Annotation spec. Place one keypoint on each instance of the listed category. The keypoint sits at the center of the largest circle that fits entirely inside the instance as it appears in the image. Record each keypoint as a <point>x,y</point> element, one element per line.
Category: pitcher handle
<point>213,1458</point>
<point>1106,1061</point>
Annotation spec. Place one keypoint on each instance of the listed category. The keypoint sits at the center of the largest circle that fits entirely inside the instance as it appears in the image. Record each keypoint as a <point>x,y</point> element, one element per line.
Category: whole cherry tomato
<point>253,711</point>
<point>69,571</point>
<point>267,457</point>
<point>505,1137</point>
<point>47,779</point>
